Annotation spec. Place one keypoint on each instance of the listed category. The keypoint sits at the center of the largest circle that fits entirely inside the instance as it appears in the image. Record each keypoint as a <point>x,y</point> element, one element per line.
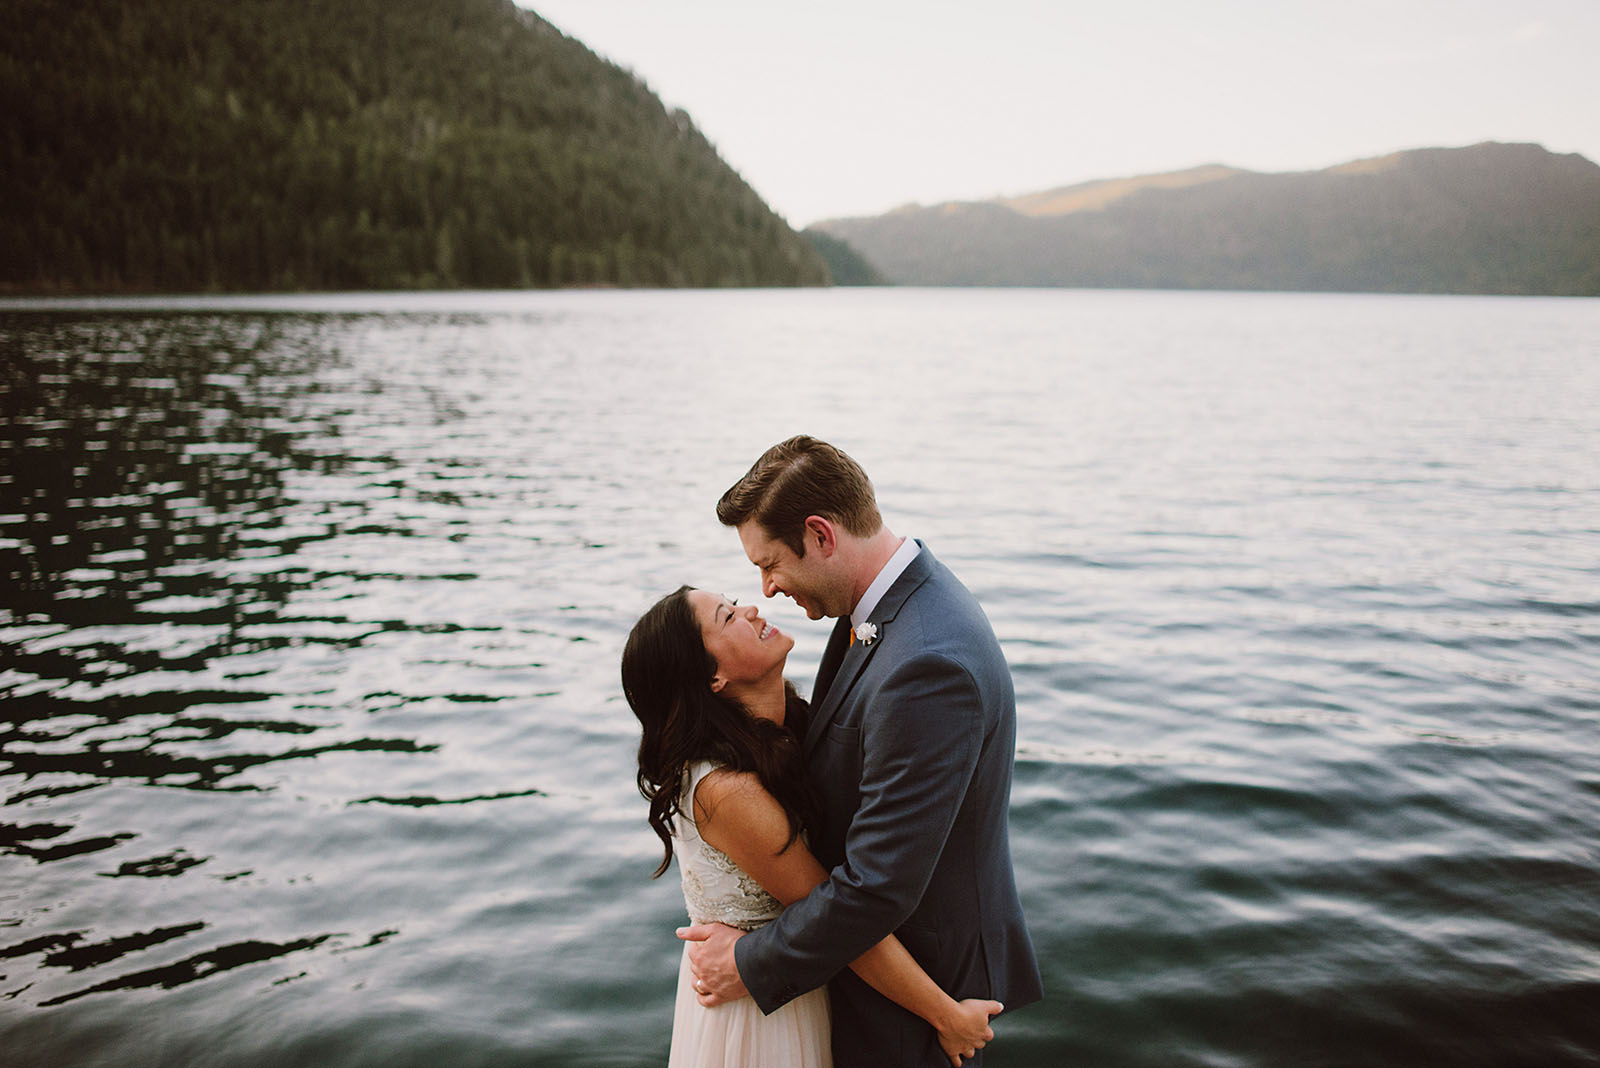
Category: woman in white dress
<point>727,788</point>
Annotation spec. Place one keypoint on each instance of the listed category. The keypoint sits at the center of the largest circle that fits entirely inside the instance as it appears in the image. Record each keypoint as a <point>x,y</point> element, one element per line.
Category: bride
<point>722,771</point>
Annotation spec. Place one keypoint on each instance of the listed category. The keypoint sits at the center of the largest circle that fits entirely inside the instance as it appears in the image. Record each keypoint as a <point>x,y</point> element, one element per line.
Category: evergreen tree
<point>334,144</point>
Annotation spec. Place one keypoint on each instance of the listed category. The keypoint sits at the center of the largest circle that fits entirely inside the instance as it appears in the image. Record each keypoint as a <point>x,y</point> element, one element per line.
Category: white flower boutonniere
<point>867,633</point>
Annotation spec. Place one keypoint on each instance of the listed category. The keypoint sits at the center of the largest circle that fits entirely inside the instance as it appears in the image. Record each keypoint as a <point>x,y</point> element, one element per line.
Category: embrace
<point>846,865</point>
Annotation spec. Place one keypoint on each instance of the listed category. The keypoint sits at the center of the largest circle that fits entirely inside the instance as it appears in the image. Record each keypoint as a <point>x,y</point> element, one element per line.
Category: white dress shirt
<point>892,570</point>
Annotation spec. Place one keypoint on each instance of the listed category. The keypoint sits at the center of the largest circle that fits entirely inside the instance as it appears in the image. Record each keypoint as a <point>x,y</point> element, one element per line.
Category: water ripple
<point>308,692</point>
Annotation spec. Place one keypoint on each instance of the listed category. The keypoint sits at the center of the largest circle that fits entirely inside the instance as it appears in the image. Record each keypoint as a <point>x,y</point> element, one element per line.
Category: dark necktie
<point>832,657</point>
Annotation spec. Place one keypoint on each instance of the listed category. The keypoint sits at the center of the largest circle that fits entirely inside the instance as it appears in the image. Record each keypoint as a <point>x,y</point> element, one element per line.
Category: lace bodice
<point>715,890</point>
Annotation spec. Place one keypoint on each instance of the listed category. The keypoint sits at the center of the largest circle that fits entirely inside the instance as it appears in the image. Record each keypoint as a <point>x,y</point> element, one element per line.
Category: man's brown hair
<point>797,478</point>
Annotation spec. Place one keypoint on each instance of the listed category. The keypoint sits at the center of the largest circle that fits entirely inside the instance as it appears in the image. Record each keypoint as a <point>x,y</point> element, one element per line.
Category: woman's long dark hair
<point>666,676</point>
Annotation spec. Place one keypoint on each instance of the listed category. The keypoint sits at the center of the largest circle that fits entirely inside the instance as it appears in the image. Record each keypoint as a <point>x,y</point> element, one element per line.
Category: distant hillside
<point>845,264</point>
<point>1091,196</point>
<point>333,144</point>
<point>1492,218</point>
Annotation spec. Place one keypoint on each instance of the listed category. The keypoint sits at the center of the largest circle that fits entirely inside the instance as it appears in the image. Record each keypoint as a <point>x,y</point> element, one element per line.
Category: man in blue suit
<point>910,743</point>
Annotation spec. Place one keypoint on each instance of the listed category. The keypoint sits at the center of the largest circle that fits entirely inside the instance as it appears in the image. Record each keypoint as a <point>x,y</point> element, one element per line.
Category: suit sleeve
<point>920,744</point>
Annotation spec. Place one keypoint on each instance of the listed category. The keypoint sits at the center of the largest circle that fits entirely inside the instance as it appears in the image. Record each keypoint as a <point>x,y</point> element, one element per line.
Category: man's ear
<point>821,534</point>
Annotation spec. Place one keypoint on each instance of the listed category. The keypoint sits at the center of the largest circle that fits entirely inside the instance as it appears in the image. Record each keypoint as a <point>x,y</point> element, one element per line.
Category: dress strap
<point>692,775</point>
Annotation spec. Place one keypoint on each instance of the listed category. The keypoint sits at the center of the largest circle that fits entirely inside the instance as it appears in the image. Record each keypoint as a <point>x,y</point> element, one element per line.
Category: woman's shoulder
<point>718,785</point>
<point>714,779</point>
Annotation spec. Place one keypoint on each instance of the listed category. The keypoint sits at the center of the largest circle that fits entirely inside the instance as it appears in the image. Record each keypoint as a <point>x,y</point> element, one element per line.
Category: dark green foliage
<point>333,144</point>
<point>1492,218</point>
<point>847,266</point>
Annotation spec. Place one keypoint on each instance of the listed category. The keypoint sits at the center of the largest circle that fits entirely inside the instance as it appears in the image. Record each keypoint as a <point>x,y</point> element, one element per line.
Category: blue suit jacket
<point>910,743</point>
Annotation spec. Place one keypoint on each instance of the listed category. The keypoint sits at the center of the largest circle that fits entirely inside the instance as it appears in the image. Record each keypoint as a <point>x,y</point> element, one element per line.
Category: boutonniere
<point>867,633</point>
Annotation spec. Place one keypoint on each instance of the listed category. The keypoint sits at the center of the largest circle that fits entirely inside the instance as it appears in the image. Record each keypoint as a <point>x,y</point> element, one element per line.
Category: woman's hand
<point>967,1030</point>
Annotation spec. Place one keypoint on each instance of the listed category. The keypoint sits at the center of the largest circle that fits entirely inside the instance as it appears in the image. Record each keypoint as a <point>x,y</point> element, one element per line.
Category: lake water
<point>313,750</point>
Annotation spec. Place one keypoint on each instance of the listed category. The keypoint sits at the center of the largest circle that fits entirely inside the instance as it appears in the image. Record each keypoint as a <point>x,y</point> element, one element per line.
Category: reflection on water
<point>311,749</point>
<point>146,465</point>
<point>146,528</point>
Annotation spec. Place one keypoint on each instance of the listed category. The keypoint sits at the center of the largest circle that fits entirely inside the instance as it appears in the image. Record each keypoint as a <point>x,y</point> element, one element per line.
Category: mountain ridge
<point>1101,193</point>
<point>358,144</point>
<point>1486,218</point>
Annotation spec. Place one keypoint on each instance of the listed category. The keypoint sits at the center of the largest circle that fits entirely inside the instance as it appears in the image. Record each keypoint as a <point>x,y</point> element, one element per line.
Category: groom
<point>910,745</point>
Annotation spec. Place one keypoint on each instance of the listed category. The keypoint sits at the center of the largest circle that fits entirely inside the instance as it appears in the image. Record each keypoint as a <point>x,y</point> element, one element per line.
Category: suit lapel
<point>855,658</point>
<point>848,660</point>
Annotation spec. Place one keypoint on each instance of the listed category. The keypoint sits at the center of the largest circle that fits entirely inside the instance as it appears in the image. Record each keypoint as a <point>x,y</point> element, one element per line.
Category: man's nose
<point>769,588</point>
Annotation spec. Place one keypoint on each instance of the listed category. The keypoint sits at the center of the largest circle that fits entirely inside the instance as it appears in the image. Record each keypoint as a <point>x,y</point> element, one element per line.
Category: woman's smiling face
<point>747,648</point>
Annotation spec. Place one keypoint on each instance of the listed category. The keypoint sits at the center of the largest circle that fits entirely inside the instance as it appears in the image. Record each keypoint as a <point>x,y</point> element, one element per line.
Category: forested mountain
<point>332,144</point>
<point>1492,218</point>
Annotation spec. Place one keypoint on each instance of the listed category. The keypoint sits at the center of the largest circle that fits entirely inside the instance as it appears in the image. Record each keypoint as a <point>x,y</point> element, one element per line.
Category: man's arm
<point>920,746</point>
<point>736,815</point>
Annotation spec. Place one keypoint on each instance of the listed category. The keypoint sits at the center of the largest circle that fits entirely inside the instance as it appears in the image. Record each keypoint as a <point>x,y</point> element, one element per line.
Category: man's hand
<point>716,975</point>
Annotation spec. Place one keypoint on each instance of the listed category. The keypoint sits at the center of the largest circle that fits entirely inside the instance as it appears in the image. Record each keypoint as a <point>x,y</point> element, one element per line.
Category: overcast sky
<point>854,107</point>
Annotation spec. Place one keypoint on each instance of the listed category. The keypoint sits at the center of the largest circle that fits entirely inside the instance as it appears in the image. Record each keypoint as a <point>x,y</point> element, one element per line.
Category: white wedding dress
<point>735,1035</point>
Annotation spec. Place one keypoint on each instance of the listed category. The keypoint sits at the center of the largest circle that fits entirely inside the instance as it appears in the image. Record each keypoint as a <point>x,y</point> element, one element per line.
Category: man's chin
<point>811,613</point>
